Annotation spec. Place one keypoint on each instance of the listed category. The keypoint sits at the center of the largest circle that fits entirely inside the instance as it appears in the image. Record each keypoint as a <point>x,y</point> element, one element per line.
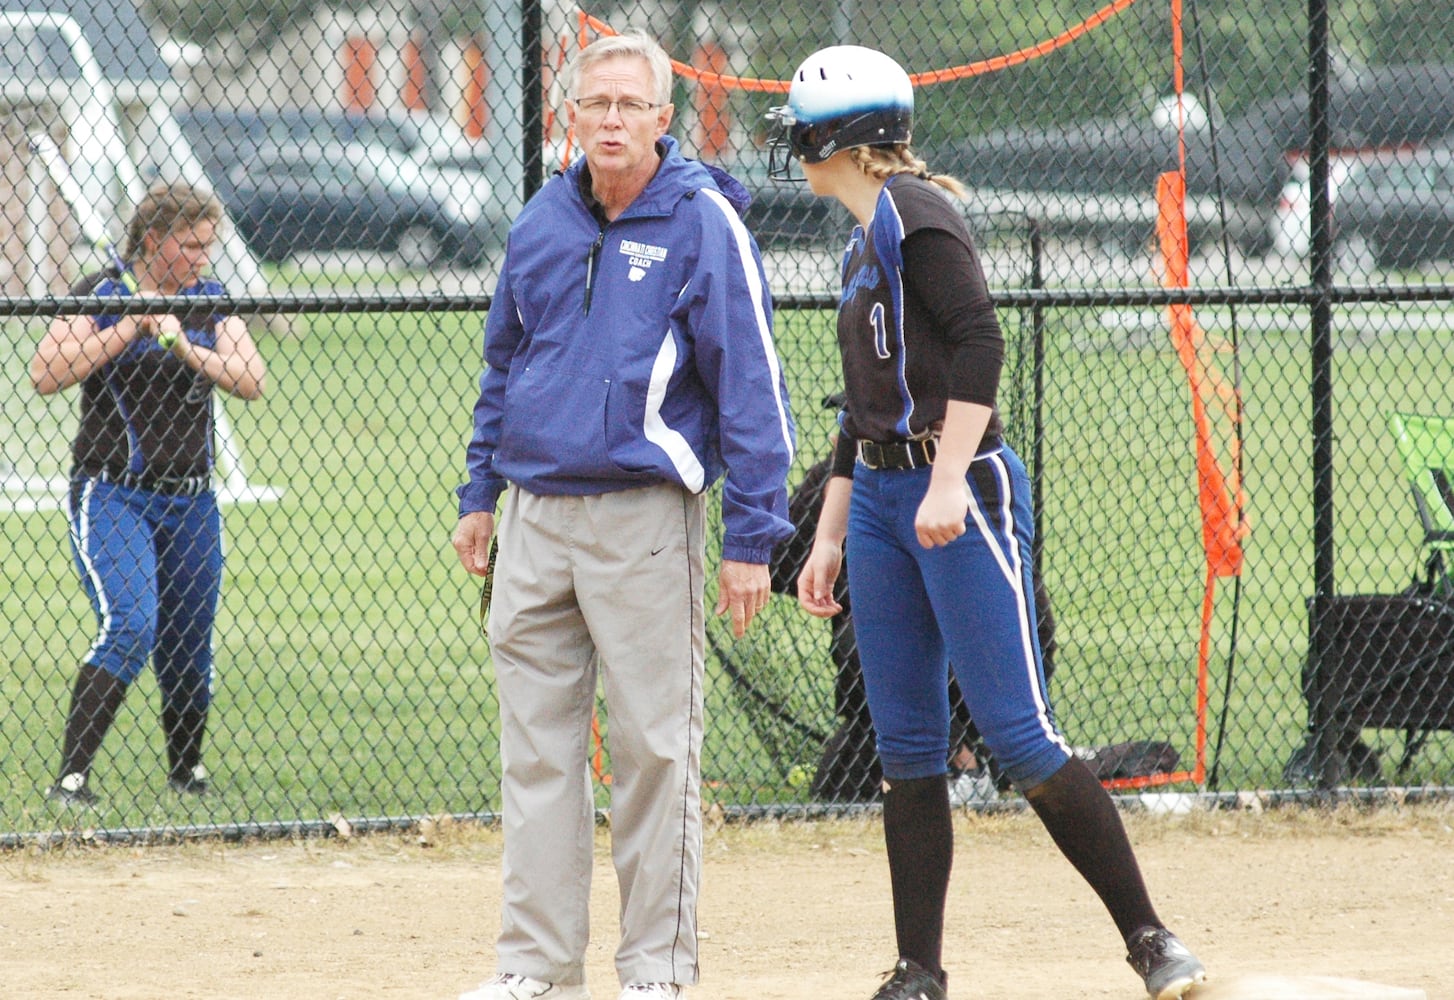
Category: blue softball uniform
<point>916,328</point>
<point>145,529</point>
<point>969,603</point>
<point>152,567</point>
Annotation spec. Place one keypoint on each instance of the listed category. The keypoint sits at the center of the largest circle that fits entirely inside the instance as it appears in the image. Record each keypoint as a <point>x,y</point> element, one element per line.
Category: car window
<point>38,52</point>
<point>1426,179</point>
<point>1395,178</point>
<point>1387,178</point>
<point>470,162</point>
<point>280,135</point>
<point>1420,176</point>
<point>223,133</point>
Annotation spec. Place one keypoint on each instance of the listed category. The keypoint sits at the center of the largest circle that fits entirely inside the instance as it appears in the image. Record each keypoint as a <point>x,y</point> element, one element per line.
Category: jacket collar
<point>678,177</point>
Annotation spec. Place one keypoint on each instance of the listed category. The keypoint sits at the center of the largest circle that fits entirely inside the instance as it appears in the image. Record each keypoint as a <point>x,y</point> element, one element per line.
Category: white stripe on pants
<point>614,579</point>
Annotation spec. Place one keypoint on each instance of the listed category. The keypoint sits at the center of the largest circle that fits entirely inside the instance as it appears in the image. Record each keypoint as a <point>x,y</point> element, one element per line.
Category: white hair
<point>630,45</point>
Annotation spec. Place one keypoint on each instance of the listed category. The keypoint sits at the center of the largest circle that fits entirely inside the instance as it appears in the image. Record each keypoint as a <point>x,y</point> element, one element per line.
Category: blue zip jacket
<point>636,353</point>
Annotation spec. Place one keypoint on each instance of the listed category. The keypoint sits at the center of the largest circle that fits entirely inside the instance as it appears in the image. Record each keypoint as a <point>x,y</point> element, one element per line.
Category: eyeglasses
<point>596,107</point>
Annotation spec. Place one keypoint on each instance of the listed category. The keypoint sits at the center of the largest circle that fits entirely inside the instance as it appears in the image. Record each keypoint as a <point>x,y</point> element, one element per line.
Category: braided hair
<point>882,162</point>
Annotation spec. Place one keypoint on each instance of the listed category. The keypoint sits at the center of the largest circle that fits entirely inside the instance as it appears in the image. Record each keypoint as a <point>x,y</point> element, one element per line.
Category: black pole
<point>1320,263</point>
<point>1037,328</point>
<point>532,104</point>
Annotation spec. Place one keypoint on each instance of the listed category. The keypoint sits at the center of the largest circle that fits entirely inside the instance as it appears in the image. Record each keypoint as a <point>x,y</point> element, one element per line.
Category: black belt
<point>914,454</point>
<point>173,486</point>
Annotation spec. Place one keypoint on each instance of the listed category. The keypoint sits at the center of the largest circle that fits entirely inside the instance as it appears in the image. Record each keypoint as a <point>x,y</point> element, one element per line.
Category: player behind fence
<point>935,510</point>
<point>146,533</point>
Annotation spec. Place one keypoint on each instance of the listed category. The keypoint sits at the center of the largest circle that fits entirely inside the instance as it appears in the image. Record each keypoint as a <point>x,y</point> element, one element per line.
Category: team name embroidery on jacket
<point>641,256</point>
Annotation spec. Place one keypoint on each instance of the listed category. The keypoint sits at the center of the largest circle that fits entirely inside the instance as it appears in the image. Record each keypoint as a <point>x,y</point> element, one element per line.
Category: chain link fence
<point>1242,441</point>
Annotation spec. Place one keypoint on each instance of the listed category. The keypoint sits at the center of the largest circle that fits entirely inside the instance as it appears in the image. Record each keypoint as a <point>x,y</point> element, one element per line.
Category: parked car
<point>1095,180</point>
<point>224,133</point>
<point>1400,204</point>
<point>438,180</point>
<point>315,197</point>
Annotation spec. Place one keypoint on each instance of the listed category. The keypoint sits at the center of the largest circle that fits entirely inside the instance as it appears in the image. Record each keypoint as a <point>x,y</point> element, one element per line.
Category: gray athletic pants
<point>614,580</point>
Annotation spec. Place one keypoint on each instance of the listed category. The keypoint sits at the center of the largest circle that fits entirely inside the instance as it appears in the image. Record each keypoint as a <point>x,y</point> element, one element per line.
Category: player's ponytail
<point>883,162</point>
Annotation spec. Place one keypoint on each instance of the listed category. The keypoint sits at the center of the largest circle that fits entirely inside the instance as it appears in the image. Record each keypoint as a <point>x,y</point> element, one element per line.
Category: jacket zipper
<point>591,259</point>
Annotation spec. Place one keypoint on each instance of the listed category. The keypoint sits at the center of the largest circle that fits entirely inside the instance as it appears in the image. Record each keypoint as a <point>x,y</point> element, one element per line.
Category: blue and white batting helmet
<point>842,96</point>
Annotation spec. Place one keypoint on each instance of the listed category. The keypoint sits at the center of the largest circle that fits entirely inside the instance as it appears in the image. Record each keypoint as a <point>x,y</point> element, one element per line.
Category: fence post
<point>1037,328</point>
<point>1320,264</point>
<point>532,108</point>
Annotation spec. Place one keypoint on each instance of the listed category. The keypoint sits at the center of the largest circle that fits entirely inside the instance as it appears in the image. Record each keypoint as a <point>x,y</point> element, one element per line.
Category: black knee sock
<point>1084,823</point>
<point>183,728</point>
<point>920,839</point>
<point>94,702</point>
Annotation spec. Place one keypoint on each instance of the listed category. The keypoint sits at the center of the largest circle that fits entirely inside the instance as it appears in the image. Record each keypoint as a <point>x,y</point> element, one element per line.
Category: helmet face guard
<point>814,142</point>
<point>841,97</point>
<point>780,153</point>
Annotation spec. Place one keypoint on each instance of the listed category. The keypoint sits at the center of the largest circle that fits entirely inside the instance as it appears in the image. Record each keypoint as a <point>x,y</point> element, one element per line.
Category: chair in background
<point>1387,660</point>
<point>1426,445</point>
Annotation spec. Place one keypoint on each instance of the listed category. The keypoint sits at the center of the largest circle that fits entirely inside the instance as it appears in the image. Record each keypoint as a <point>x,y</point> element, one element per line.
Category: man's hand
<point>742,589</point>
<point>471,541</point>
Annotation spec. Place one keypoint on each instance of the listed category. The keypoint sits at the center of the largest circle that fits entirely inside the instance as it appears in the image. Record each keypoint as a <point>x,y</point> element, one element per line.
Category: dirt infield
<point>788,911</point>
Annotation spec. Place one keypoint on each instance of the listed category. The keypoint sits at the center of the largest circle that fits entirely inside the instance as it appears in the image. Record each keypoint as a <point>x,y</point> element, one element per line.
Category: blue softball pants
<point>969,603</point>
<point>152,567</point>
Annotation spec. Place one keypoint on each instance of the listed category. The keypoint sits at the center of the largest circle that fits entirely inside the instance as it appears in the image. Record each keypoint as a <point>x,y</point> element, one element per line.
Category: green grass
<point>352,676</point>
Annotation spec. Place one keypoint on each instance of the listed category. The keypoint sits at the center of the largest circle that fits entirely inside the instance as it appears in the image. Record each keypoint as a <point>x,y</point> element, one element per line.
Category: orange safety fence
<point>1216,418</point>
<point>993,64</point>
<point>711,79</point>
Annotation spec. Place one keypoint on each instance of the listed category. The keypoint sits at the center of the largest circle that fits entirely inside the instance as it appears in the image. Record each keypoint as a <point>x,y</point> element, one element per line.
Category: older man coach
<point>629,363</point>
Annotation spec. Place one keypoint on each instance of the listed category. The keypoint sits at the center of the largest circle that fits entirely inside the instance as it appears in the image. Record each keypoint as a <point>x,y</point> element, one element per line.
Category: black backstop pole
<point>532,104</point>
<point>1320,262</point>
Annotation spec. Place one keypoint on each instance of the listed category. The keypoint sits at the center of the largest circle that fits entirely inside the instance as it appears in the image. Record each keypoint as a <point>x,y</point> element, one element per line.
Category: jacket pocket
<point>555,426</point>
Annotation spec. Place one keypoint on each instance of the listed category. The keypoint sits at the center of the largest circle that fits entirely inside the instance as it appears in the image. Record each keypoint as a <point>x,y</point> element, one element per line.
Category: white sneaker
<point>652,991</point>
<point>509,986</point>
<point>972,788</point>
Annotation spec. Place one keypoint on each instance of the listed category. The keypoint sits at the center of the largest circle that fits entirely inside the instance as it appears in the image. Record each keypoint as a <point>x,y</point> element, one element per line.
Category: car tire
<point>419,248</point>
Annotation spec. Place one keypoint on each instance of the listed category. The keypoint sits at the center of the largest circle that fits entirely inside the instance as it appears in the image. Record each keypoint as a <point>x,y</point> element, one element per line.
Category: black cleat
<point>911,981</point>
<point>1166,965</point>
<point>72,790</point>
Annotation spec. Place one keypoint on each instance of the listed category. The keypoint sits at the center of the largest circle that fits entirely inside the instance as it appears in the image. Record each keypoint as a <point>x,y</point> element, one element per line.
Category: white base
<point>1298,988</point>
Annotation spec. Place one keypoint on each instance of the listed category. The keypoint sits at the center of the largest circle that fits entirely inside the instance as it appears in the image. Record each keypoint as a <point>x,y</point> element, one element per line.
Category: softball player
<point>935,510</point>
<point>144,525</point>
